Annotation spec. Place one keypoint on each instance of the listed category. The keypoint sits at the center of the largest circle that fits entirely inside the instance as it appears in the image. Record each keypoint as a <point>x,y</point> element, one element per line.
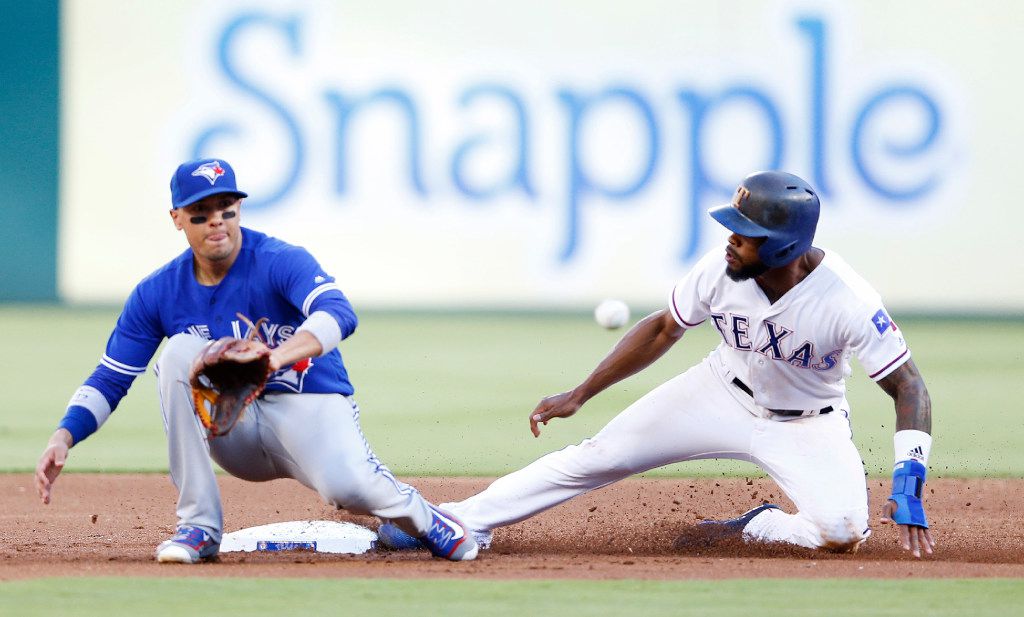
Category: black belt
<point>782,412</point>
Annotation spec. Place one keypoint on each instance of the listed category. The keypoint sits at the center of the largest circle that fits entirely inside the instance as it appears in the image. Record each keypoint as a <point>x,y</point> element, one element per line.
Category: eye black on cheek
<point>229,214</point>
<point>197,220</point>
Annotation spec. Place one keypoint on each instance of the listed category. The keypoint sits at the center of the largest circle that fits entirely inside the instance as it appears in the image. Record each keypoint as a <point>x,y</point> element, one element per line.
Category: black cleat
<point>736,525</point>
<point>711,532</point>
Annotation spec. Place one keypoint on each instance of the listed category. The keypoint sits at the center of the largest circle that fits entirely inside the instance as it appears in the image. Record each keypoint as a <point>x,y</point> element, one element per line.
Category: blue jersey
<point>269,278</point>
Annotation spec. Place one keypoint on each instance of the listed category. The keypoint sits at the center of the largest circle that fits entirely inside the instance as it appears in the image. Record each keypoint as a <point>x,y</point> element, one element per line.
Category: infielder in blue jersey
<point>305,425</point>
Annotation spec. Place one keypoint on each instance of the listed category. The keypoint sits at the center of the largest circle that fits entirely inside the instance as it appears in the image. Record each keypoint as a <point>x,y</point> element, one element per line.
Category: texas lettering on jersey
<point>776,343</point>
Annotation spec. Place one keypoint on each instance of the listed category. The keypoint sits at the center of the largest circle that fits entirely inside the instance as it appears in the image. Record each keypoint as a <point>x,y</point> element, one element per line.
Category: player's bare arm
<point>913,405</point>
<point>913,413</point>
<point>52,462</point>
<point>787,314</point>
<point>302,345</point>
<point>645,342</point>
<point>302,315</point>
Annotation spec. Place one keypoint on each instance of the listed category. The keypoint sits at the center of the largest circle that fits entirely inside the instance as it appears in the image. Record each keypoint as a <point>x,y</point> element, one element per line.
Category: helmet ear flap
<point>778,256</point>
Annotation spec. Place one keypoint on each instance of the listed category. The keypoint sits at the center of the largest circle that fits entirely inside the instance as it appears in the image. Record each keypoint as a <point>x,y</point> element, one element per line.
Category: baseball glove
<point>227,376</point>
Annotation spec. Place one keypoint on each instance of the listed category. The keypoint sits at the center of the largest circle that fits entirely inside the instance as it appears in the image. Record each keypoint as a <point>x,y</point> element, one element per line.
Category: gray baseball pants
<point>313,438</point>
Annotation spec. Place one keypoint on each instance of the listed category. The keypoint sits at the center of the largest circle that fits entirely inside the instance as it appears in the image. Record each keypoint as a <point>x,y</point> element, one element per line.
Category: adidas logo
<point>916,453</point>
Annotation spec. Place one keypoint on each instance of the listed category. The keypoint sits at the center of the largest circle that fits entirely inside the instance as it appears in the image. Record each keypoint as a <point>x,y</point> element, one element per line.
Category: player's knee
<point>354,494</point>
<point>842,533</point>
<point>246,469</point>
<point>595,458</point>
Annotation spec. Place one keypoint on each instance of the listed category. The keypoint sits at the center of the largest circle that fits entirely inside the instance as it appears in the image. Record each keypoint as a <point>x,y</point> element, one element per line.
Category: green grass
<point>454,598</point>
<point>449,394</point>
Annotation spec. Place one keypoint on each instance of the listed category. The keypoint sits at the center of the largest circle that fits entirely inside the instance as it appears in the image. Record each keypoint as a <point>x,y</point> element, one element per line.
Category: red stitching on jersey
<point>882,370</point>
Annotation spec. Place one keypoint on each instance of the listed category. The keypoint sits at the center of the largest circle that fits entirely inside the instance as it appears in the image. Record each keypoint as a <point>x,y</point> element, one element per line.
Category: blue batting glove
<point>907,485</point>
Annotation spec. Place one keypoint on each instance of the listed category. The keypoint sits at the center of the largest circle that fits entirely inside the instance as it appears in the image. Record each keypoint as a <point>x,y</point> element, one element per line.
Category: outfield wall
<point>29,121</point>
<point>539,154</point>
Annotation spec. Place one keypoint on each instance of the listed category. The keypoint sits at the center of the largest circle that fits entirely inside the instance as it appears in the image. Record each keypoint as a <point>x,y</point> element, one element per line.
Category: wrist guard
<point>907,485</point>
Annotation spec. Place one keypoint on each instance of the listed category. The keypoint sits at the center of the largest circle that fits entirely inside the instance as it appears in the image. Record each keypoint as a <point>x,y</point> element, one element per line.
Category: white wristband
<point>325,328</point>
<point>91,398</point>
<point>912,445</point>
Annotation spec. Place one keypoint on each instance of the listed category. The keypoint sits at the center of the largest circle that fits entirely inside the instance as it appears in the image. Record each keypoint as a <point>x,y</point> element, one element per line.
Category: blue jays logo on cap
<point>194,180</point>
<point>211,171</point>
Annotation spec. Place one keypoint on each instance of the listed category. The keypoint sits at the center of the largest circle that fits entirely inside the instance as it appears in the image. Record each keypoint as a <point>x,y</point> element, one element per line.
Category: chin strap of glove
<point>907,485</point>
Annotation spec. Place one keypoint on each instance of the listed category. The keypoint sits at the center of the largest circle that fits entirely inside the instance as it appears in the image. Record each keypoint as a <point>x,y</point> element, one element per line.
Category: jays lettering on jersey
<point>270,278</point>
<point>793,354</point>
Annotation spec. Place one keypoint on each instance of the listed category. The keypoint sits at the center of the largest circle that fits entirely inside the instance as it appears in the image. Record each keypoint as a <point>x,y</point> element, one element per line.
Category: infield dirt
<point>109,525</point>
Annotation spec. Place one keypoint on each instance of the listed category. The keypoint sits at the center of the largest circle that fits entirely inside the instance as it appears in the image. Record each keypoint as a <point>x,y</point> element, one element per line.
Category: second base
<point>319,536</point>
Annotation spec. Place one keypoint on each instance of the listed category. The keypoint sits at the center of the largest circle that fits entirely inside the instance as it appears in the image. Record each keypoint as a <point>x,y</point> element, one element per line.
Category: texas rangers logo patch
<point>211,171</point>
<point>881,322</point>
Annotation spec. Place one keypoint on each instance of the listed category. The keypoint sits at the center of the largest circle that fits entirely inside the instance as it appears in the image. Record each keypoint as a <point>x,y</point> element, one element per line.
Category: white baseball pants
<point>698,415</point>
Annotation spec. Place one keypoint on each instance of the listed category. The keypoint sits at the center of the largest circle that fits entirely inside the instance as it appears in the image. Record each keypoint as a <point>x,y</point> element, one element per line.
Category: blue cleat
<point>188,545</point>
<point>390,536</point>
<point>393,538</point>
<point>447,538</point>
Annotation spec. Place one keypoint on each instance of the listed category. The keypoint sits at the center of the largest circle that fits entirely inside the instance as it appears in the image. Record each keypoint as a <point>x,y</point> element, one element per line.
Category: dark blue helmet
<point>774,205</point>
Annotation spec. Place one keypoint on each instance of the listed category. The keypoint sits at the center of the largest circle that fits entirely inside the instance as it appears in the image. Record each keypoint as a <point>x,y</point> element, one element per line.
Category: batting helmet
<point>777,206</point>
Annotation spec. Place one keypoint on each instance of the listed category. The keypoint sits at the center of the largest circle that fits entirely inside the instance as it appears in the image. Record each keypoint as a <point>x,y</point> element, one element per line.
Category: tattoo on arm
<point>913,405</point>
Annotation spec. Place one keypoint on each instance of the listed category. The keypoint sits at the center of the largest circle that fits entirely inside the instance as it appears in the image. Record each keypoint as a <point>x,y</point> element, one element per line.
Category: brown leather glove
<point>226,377</point>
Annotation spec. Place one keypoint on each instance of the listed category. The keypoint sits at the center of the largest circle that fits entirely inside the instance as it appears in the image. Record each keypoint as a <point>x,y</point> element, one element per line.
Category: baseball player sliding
<point>304,426</point>
<point>773,392</point>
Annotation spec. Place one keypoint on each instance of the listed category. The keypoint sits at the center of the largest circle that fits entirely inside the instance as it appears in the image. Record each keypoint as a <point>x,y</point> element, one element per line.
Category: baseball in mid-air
<point>612,314</point>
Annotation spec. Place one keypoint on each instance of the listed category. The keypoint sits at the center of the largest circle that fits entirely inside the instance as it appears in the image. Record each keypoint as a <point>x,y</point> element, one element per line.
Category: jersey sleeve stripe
<point>316,293</point>
<point>679,318</point>
<point>120,367</point>
<point>883,369</point>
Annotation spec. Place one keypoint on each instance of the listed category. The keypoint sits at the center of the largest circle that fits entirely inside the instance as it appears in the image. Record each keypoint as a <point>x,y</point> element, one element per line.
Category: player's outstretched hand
<point>51,463</point>
<point>557,406</point>
<point>912,537</point>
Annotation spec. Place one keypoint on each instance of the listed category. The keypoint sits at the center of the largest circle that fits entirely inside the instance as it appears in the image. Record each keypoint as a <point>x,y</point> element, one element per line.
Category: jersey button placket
<point>756,359</point>
<point>755,364</point>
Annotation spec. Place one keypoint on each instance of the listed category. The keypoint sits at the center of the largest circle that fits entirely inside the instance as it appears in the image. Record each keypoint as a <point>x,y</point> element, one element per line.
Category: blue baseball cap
<point>194,180</point>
